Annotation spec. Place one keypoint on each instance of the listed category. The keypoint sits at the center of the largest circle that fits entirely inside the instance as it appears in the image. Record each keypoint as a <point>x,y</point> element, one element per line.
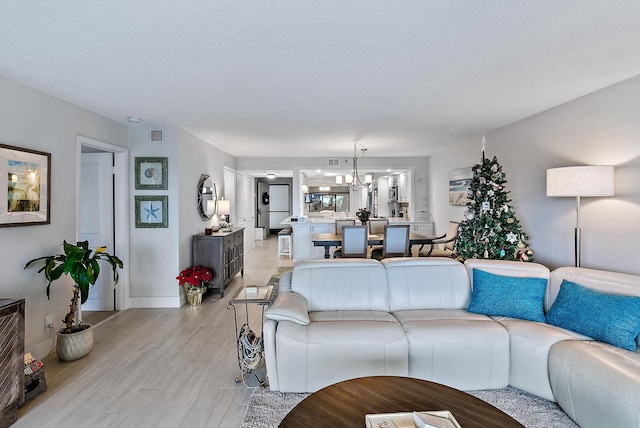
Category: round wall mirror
<point>207,197</point>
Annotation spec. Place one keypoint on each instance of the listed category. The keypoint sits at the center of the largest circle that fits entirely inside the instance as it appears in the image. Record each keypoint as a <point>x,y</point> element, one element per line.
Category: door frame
<point>121,213</point>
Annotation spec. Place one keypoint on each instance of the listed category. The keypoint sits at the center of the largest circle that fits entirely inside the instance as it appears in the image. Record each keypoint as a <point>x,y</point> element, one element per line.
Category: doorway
<point>102,216</point>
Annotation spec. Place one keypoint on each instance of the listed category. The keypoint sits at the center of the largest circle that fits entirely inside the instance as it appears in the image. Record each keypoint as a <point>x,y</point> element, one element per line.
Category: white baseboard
<point>154,302</point>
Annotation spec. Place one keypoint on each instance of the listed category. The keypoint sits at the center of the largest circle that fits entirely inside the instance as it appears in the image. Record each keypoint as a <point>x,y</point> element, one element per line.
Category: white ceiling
<point>308,77</point>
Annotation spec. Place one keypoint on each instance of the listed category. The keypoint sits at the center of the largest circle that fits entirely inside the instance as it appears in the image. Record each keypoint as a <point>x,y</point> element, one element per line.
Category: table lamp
<point>224,209</point>
<point>580,181</point>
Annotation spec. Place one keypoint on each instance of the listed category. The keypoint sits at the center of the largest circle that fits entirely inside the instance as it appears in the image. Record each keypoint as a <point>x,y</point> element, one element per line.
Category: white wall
<point>195,157</point>
<point>598,129</point>
<point>34,120</point>
<point>154,255</point>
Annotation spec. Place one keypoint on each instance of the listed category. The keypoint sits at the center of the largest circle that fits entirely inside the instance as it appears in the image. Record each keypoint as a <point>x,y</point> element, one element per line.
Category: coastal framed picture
<point>152,173</point>
<point>152,211</point>
<point>459,184</point>
<point>25,186</point>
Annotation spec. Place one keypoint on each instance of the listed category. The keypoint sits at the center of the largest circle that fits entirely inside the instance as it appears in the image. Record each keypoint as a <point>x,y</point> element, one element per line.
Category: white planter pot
<point>73,346</point>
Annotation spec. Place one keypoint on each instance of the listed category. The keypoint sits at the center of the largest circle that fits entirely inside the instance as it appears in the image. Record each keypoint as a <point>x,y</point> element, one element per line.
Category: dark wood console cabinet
<point>11,359</point>
<point>222,252</point>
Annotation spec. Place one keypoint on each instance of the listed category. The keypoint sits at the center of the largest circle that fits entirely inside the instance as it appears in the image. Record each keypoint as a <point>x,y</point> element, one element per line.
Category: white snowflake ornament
<point>512,237</point>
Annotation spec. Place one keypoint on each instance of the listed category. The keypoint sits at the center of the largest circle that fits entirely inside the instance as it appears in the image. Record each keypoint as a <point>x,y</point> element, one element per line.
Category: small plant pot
<point>73,346</point>
<point>194,296</point>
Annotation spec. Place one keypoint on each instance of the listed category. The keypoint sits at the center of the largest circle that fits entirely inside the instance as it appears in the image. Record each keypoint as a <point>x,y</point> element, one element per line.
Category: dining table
<point>328,240</point>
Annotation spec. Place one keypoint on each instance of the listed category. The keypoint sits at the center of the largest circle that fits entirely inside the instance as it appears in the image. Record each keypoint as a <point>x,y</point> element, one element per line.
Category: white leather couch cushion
<point>339,345</point>
<point>289,306</point>
<point>419,283</point>
<point>342,284</point>
<point>457,348</point>
<point>596,384</point>
<point>507,268</point>
<point>530,343</point>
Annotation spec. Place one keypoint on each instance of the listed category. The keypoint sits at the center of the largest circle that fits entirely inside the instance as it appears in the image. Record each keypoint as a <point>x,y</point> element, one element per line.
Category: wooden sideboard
<point>222,252</point>
<point>11,359</point>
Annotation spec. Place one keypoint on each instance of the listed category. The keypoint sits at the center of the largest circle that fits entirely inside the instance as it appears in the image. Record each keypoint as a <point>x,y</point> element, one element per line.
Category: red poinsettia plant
<point>194,277</point>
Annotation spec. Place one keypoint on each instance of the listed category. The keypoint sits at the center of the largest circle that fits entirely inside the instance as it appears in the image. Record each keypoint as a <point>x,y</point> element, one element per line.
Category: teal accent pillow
<point>610,318</point>
<point>508,296</point>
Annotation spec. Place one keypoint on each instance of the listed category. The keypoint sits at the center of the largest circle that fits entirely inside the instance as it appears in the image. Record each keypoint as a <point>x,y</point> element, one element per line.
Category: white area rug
<point>266,409</point>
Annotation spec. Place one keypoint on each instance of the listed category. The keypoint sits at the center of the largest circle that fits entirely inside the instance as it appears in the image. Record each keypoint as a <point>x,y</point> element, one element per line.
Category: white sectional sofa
<point>421,317</point>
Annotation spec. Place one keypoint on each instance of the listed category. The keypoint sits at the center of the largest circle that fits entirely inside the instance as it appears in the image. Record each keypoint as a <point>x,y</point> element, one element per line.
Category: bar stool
<point>285,244</point>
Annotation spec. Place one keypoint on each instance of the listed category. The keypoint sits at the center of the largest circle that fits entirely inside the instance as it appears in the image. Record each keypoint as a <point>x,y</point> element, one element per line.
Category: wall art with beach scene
<point>459,184</point>
<point>25,186</point>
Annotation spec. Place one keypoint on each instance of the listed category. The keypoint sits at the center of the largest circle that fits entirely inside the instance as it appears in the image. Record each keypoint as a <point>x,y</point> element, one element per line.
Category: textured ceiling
<point>307,78</point>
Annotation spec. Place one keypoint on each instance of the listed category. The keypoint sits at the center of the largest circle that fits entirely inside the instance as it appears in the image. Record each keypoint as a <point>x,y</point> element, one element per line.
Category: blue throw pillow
<point>610,318</point>
<point>508,296</point>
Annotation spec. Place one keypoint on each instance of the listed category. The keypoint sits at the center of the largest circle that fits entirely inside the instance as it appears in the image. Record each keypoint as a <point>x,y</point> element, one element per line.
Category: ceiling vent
<point>333,163</point>
<point>156,135</point>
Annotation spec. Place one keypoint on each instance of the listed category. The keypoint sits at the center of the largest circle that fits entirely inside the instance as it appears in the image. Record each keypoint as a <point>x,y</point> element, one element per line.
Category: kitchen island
<point>305,227</point>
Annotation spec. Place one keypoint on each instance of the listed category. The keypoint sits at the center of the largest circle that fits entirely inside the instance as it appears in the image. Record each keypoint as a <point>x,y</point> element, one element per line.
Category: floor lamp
<point>580,181</point>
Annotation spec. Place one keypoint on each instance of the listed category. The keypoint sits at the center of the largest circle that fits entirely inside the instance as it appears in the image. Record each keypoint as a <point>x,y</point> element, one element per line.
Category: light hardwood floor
<point>157,367</point>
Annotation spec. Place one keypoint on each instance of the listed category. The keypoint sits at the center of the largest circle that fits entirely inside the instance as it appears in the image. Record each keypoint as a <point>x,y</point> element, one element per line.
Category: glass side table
<point>250,346</point>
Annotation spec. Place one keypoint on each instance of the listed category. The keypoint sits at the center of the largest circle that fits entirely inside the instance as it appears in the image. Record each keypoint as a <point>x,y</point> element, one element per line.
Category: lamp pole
<point>577,232</point>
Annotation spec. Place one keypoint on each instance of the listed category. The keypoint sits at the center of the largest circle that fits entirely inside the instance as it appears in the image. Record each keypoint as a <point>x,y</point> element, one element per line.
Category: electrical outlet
<point>48,322</point>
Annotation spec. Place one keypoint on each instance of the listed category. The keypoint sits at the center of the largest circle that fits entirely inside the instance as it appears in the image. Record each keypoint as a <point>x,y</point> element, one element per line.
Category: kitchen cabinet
<point>222,252</point>
<point>383,197</point>
<point>425,228</point>
<point>404,187</point>
<point>303,247</point>
<point>11,359</point>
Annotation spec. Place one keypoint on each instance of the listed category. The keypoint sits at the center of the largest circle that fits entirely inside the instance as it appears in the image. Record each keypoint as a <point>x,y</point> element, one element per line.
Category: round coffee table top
<point>346,403</point>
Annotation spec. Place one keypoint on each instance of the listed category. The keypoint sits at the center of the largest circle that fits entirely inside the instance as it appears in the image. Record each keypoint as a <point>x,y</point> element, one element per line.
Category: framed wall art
<point>152,173</point>
<point>152,211</point>
<point>25,186</point>
<point>459,184</point>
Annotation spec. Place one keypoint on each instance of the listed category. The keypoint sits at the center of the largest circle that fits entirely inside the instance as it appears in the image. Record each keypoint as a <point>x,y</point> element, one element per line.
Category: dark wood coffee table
<point>344,404</point>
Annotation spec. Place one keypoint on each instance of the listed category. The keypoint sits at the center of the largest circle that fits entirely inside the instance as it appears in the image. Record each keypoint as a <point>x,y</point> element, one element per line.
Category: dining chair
<point>376,227</point>
<point>354,241</point>
<point>343,222</point>
<point>337,253</point>
<point>447,242</point>
<point>395,244</point>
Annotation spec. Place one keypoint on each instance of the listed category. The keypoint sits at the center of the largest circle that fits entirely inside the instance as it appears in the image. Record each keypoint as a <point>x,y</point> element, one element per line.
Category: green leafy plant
<point>80,263</point>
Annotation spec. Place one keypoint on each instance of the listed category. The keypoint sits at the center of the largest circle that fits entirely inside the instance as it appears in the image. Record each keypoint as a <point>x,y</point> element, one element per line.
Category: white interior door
<point>229,177</point>
<point>96,222</point>
<point>241,219</point>
<point>245,198</point>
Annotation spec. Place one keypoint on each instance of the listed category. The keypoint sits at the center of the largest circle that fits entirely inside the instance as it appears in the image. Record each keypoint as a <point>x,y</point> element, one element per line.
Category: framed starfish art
<point>152,211</point>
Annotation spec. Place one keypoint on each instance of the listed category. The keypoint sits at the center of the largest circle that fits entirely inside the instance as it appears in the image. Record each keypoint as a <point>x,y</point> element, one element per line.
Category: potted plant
<point>363,215</point>
<point>81,263</point>
<point>194,280</point>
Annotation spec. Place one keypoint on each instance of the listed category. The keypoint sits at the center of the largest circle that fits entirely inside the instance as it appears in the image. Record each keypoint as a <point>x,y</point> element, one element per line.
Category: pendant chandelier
<point>353,180</point>
<point>324,187</point>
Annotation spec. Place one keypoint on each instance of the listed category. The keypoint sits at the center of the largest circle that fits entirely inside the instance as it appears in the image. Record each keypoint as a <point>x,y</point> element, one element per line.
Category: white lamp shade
<point>304,188</point>
<point>338,179</point>
<point>211,207</point>
<point>368,179</point>
<point>580,181</point>
<point>348,178</point>
<point>224,207</point>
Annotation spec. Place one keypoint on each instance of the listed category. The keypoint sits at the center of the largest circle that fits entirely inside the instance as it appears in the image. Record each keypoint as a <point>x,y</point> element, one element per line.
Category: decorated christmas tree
<point>490,229</point>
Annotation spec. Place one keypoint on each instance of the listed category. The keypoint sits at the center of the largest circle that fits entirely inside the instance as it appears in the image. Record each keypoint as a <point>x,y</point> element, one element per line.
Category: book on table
<point>427,419</point>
